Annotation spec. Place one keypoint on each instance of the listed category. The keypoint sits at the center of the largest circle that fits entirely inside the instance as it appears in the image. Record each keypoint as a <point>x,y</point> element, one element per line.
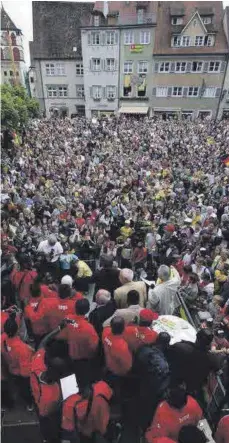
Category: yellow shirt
<point>126,231</point>
<point>83,269</point>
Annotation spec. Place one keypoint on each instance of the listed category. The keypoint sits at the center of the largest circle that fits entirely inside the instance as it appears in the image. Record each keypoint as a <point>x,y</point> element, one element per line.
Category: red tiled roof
<point>125,8</point>
<point>164,27</point>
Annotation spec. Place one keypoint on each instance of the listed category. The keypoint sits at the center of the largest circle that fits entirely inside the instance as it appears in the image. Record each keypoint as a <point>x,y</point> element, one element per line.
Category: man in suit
<point>129,314</point>
<point>105,307</point>
<point>107,277</point>
<point>120,294</point>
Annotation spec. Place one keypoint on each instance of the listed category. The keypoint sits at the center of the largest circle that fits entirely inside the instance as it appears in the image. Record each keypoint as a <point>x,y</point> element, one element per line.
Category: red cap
<point>148,315</point>
<point>169,228</point>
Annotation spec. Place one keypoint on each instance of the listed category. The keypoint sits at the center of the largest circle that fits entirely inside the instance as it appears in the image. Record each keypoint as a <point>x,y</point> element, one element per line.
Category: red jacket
<point>46,396</point>
<point>168,421</point>
<point>98,416</point>
<point>22,281</point>
<point>82,338</point>
<point>222,433</point>
<point>137,336</point>
<point>38,325</point>
<point>17,355</point>
<point>117,354</point>
<point>47,292</point>
<point>38,362</point>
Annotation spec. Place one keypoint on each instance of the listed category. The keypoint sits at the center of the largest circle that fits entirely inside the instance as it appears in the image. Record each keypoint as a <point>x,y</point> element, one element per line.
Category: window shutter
<point>205,67</point>
<point>156,67</point>
<point>102,65</point>
<point>223,66</point>
<point>169,92</point>
<point>89,38</point>
<point>91,91</point>
<point>172,67</point>
<point>185,92</point>
<point>116,38</point>
<point>189,67</point>
<point>103,38</point>
<point>104,92</point>
<point>154,92</point>
<point>116,64</point>
<point>218,92</point>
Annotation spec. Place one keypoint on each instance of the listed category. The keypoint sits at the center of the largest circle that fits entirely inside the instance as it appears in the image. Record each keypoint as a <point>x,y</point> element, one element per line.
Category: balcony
<point>132,19</point>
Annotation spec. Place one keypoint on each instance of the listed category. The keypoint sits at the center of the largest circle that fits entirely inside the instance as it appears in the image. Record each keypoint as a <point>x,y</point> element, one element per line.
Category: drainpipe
<point>222,93</point>
<point>42,84</point>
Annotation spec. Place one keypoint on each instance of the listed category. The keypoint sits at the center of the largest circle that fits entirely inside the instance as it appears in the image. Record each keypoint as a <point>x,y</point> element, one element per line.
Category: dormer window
<point>207,20</point>
<point>177,21</point>
<point>96,20</point>
<point>140,16</point>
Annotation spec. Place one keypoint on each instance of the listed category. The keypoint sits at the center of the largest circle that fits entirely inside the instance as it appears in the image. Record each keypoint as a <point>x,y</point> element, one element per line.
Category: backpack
<point>153,367</point>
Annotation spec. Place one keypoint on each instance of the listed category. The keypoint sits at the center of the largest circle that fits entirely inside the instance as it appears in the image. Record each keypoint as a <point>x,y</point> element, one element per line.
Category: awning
<point>133,110</point>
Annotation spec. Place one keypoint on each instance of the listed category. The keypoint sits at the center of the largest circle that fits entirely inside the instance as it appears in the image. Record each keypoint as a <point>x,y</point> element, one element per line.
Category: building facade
<point>56,73</point>
<point>224,101</point>
<point>12,52</point>
<point>189,60</point>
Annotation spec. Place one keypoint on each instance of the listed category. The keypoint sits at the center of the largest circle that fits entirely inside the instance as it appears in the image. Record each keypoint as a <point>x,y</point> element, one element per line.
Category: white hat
<point>67,280</point>
<point>127,222</point>
<point>188,220</point>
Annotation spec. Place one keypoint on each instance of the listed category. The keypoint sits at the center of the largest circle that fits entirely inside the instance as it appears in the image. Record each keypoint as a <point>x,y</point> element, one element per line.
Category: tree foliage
<point>17,107</point>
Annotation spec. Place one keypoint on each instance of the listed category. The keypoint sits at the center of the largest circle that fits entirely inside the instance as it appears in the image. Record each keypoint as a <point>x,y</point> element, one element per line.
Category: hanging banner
<point>136,48</point>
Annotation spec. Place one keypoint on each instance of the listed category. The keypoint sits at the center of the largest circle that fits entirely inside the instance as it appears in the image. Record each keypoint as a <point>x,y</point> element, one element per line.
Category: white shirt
<point>45,247</point>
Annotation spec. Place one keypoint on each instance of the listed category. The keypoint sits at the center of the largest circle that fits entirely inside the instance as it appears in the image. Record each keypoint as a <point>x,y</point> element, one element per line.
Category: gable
<point>195,26</point>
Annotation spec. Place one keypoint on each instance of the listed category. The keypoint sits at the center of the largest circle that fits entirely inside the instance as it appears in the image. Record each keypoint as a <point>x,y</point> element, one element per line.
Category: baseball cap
<point>67,280</point>
<point>148,315</point>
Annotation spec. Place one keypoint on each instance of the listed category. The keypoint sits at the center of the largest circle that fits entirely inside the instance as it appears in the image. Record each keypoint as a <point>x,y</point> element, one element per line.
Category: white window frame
<point>130,65</point>
<point>161,91</point>
<point>198,70</point>
<point>110,38</point>
<point>163,65</point>
<point>180,64</point>
<point>80,91</point>
<point>140,16</point>
<point>60,69</point>
<point>50,69</point>
<point>207,92</point>
<point>184,39</point>
<point>193,89</point>
<point>53,90</point>
<point>178,37</point>
<point>79,66</point>
<point>177,21</point>
<point>214,70</point>
<point>94,36</point>
<point>210,40</point>
<point>96,20</point>
<point>62,91</point>
<point>206,20</point>
<point>173,91</point>
<point>113,95</point>
<point>144,37</point>
<point>128,38</point>
<point>98,94</point>
<point>142,67</point>
<point>108,66</point>
<point>199,40</point>
<point>95,67</point>
<point>204,110</point>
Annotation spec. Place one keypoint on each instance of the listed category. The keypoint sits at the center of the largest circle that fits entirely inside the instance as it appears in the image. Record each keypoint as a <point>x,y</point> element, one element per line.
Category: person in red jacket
<point>118,357</point>
<point>222,432</point>
<point>17,357</point>
<point>89,410</point>
<point>141,334</point>
<point>23,279</point>
<point>179,410</point>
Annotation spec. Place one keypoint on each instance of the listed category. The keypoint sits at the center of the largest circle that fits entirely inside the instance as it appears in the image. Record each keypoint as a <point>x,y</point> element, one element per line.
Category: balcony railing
<point>149,18</point>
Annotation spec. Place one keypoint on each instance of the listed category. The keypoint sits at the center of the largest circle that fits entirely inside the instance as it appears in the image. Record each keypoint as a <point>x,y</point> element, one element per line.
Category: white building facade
<point>100,52</point>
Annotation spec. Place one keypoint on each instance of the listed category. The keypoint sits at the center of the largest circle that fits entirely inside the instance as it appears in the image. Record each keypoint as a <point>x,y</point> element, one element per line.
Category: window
<point>17,55</point>
<point>209,40</point>
<point>128,67</point>
<point>97,92</point>
<point>144,37</point>
<point>5,73</point>
<point>11,73</point>
<point>110,64</point>
<point>52,91</point>
<point>95,64</point>
<point>79,68</point>
<point>63,91</point>
<point>96,20</point>
<point>186,40</point>
<point>207,20</point>
<point>214,67</point>
<point>176,41</point>
<point>161,91</point>
<point>142,67</point>
<point>50,69</point>
<point>197,66</point>
<point>209,92</point>
<point>13,39</point>
<point>164,67</point>
<point>193,91</point>
<point>110,38</point>
<point>80,91</point>
<point>128,38</point>
<point>60,69</point>
<point>180,67</point>
<point>95,38</point>
<point>111,92</point>
<point>177,91</point>
<point>31,80</point>
<point>140,16</point>
<point>199,40</point>
<point>127,91</point>
<point>177,21</point>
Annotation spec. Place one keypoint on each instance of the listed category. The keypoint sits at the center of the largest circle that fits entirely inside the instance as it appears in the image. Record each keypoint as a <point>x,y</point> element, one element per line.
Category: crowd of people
<point>107,225</point>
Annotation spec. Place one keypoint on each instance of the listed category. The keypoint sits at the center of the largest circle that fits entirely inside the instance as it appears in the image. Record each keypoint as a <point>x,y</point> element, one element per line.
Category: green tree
<point>17,107</point>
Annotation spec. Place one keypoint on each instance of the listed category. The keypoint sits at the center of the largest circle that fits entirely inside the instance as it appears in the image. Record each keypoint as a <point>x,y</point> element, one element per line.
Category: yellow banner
<point>136,48</point>
<point>127,79</point>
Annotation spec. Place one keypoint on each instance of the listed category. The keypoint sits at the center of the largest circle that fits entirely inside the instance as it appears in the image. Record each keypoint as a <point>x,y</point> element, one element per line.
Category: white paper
<point>69,386</point>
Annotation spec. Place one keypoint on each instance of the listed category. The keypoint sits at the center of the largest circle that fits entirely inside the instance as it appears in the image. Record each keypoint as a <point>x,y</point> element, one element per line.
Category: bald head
<point>102,297</point>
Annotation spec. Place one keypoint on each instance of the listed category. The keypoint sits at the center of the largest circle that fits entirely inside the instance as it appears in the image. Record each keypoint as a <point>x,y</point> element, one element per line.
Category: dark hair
<point>56,348</point>
<point>204,338</point>
<point>190,434</point>
<point>177,396</point>
<point>133,297</point>
<point>117,325</point>
<point>187,269</point>
<point>82,306</point>
<point>35,289</point>
<point>11,327</point>
<point>194,278</point>
<point>64,291</point>
<point>163,340</point>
